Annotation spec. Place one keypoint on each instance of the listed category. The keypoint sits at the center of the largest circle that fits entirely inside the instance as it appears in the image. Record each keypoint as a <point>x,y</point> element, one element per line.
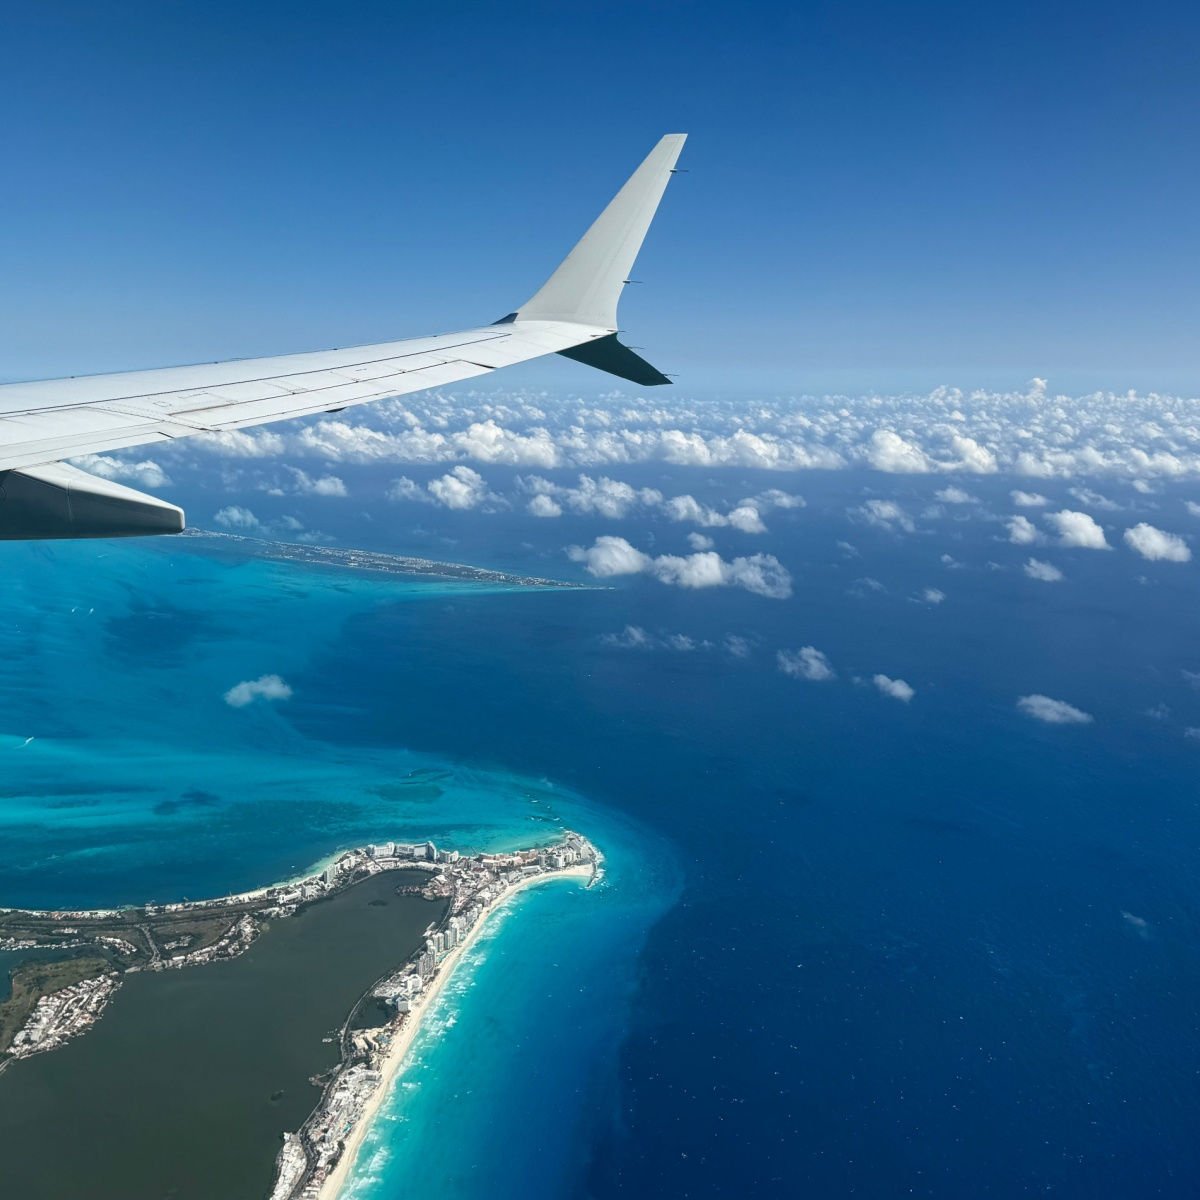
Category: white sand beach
<point>393,1063</point>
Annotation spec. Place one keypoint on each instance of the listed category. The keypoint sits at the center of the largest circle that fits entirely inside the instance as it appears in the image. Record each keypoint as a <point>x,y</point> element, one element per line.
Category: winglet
<point>586,287</point>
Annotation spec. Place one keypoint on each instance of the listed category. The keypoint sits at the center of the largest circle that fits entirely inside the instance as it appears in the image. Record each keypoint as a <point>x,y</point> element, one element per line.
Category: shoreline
<point>316,1160</point>
<point>392,1067</point>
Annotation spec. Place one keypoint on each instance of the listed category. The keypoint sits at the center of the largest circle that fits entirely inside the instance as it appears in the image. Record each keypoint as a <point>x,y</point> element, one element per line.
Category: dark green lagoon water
<point>182,1090</point>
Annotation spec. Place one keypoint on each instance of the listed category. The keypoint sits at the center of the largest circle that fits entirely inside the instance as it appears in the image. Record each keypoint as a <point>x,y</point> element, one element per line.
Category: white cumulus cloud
<point>971,456</point>
<point>1027,499</point>
<point>1023,532</point>
<point>460,488</point>
<point>603,497</point>
<point>888,451</point>
<point>806,663</point>
<point>1156,545</point>
<point>146,473</point>
<point>615,499</point>
<point>745,516</point>
<point>776,498</point>
<point>265,687</point>
<point>636,637</point>
<point>234,516</point>
<point>1077,529</point>
<point>737,646</point>
<point>632,637</point>
<point>955,495</point>
<point>1035,568</point>
<point>762,574</point>
<point>1093,499</point>
<point>408,489</point>
<point>545,506</point>
<point>323,485</point>
<point>896,688</point>
<point>885,514</point>
<point>1052,712</point>
<point>609,555</point>
<point>1030,431</point>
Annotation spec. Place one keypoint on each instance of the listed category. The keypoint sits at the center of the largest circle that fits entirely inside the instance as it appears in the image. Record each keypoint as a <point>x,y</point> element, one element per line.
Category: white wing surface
<point>42,423</point>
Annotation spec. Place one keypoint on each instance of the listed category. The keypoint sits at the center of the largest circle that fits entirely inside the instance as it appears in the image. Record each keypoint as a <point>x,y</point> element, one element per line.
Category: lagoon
<point>187,1082</point>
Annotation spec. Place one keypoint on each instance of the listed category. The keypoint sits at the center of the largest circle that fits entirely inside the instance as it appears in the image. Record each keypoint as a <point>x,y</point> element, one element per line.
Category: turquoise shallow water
<point>514,1070</point>
<point>126,777</point>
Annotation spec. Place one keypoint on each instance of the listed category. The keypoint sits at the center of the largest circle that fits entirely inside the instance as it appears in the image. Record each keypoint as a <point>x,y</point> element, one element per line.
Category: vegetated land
<point>32,980</point>
<point>108,941</point>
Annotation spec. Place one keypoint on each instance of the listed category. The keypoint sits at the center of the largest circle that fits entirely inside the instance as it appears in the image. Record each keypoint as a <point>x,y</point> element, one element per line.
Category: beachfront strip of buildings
<point>473,885</point>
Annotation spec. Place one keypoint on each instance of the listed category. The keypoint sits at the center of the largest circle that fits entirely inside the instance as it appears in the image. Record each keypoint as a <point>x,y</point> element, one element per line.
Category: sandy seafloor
<point>140,783</point>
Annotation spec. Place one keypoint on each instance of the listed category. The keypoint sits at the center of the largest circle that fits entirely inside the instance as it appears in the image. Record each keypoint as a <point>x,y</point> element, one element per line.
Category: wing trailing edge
<point>611,355</point>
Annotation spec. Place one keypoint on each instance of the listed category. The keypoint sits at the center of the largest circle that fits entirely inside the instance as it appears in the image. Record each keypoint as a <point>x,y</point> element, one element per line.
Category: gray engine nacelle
<point>58,501</point>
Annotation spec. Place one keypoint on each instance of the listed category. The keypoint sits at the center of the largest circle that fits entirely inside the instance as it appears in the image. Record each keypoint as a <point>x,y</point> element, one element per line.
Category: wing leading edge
<point>574,313</point>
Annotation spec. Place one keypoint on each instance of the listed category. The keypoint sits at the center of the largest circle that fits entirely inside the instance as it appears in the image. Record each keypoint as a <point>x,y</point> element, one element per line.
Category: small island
<point>78,961</point>
<point>371,561</point>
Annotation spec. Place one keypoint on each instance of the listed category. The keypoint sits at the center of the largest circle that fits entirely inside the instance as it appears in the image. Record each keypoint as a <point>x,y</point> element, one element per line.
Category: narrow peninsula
<point>375,562</point>
<point>72,964</point>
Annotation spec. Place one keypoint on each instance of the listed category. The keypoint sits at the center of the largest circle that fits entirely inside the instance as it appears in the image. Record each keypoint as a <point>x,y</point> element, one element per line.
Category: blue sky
<point>880,196</point>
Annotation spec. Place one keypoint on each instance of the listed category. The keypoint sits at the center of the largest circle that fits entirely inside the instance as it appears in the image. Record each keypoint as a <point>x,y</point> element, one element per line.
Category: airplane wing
<point>574,314</point>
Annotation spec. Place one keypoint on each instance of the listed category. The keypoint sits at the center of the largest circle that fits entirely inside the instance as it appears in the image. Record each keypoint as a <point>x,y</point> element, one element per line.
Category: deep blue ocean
<point>845,945</point>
